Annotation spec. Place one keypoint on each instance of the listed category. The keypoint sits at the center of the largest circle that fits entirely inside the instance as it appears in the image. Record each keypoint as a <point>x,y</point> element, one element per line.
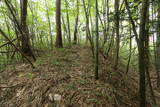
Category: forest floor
<point>65,77</point>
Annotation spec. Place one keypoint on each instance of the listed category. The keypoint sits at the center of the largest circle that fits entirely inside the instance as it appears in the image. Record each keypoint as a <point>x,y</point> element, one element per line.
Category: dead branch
<point>5,36</point>
<point>7,43</point>
<point>17,85</point>
<point>7,51</point>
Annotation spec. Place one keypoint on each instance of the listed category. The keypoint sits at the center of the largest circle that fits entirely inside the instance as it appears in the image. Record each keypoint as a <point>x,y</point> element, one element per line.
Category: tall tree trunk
<point>106,36</point>
<point>26,49</point>
<point>158,47</point>
<point>59,43</point>
<point>131,20</point>
<point>76,24</point>
<point>88,32</point>
<point>68,22</point>
<point>64,29</point>
<point>142,54</point>
<point>86,10</point>
<point>104,10</point>
<point>33,25</point>
<point>130,50</point>
<point>97,43</point>
<point>117,32</point>
<point>148,82</point>
<point>49,23</point>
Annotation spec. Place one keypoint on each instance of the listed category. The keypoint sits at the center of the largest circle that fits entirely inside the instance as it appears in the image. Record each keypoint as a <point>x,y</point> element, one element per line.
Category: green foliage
<point>39,62</point>
<point>83,82</point>
<point>71,85</point>
<point>56,62</point>
<point>93,100</point>
<point>2,68</point>
<point>27,75</point>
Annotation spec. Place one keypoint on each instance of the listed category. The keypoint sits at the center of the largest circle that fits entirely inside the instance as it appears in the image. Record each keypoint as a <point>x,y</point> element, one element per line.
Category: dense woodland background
<point>122,36</point>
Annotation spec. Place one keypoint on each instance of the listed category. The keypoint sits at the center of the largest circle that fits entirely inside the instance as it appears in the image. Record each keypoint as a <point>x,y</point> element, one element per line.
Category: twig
<point>17,85</point>
<point>7,43</point>
<point>5,36</point>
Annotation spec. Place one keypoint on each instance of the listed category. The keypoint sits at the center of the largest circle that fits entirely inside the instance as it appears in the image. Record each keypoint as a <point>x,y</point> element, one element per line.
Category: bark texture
<point>59,43</point>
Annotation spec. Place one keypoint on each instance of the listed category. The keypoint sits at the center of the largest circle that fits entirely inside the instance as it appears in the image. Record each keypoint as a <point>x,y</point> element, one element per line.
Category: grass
<point>56,62</point>
<point>57,57</point>
<point>72,85</point>
<point>2,68</point>
<point>28,75</point>
<point>93,100</point>
<point>40,62</point>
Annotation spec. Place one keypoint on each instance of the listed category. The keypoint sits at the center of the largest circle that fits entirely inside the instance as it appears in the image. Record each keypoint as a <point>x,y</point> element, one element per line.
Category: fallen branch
<point>7,43</point>
<point>17,85</point>
<point>5,36</point>
<point>7,51</point>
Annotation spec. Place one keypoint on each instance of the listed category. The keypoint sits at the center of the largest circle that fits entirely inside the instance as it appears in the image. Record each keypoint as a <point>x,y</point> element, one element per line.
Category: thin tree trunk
<point>49,23</point>
<point>130,51</point>
<point>59,43</point>
<point>158,47</point>
<point>97,43</point>
<point>132,21</point>
<point>88,33</point>
<point>142,54</point>
<point>64,29</point>
<point>76,24</point>
<point>68,22</point>
<point>6,37</point>
<point>26,49</point>
<point>108,24</point>
<point>147,58</point>
<point>117,32</point>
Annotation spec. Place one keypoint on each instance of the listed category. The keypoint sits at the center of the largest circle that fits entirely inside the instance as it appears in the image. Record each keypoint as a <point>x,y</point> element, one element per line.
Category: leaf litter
<point>65,78</point>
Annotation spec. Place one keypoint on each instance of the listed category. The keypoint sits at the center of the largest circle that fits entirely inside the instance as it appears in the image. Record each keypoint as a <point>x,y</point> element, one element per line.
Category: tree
<point>11,43</point>
<point>142,54</point>
<point>158,47</point>
<point>76,23</point>
<point>49,23</point>
<point>117,31</point>
<point>59,43</point>
<point>87,28</point>
<point>26,48</point>
<point>131,20</point>
<point>97,43</point>
<point>68,22</point>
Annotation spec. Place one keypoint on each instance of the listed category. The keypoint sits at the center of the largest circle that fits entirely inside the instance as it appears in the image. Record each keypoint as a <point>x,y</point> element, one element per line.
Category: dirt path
<point>64,77</point>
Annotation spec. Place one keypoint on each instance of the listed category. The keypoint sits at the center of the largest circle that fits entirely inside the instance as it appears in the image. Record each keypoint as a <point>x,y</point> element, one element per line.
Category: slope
<point>65,77</point>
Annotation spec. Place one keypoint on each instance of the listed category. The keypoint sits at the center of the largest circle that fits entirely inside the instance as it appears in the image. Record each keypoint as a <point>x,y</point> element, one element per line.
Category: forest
<point>79,53</point>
